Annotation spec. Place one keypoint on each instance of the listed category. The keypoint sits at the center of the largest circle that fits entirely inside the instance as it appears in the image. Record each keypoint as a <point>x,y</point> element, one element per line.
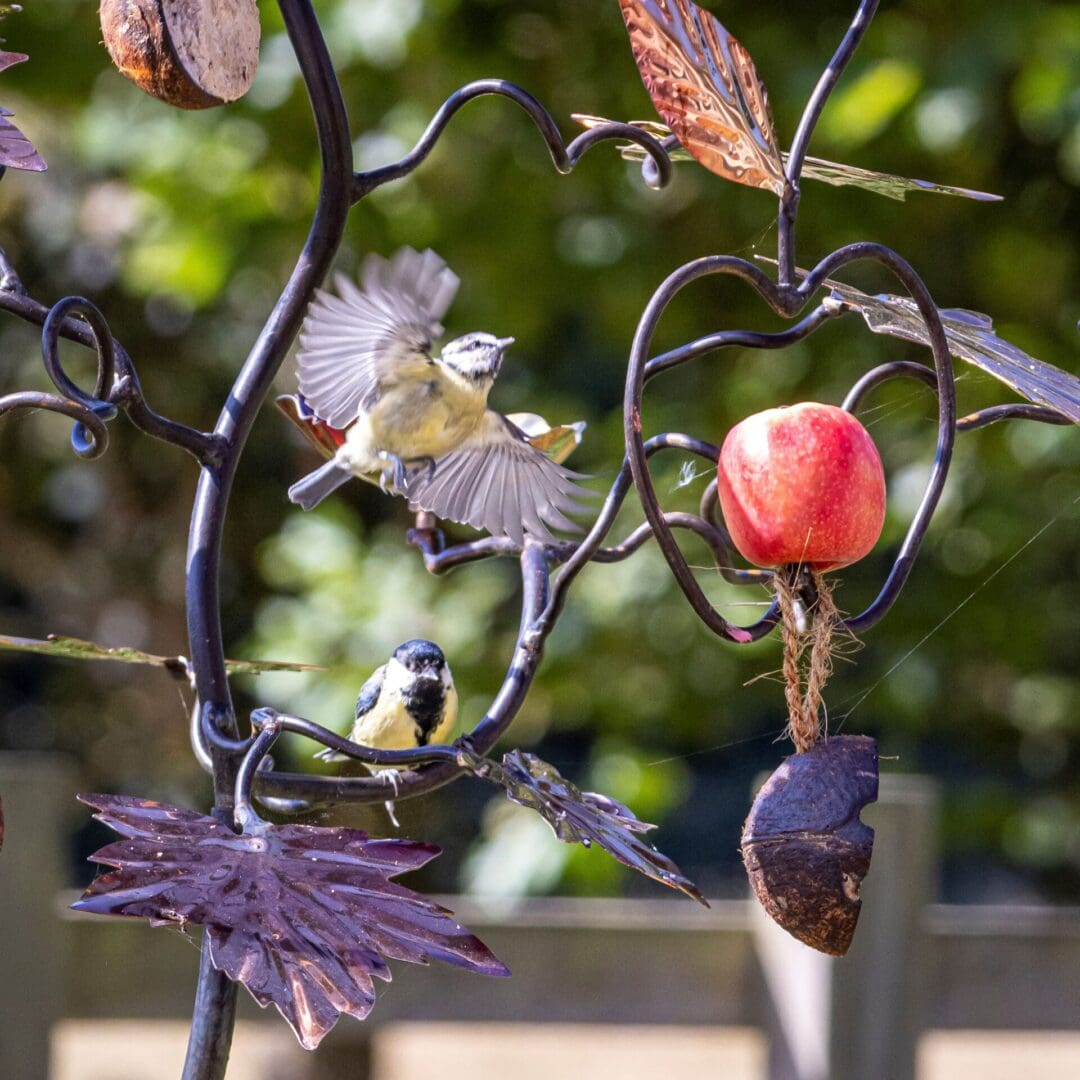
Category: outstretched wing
<point>352,341</point>
<point>498,482</point>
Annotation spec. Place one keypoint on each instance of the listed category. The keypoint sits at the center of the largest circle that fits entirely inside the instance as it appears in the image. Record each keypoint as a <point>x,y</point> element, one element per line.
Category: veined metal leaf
<point>892,187</point>
<point>70,648</point>
<point>705,86</point>
<point>304,917</point>
<point>16,150</point>
<point>583,817</point>
<point>971,337</point>
<point>828,172</point>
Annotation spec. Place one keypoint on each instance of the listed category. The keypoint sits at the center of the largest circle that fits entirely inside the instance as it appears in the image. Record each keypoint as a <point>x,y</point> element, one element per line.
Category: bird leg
<point>400,468</point>
<point>392,774</point>
<point>393,466</point>
<point>426,462</point>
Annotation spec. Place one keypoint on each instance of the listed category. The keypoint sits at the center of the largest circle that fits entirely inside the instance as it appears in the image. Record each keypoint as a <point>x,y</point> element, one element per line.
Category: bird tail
<point>313,488</point>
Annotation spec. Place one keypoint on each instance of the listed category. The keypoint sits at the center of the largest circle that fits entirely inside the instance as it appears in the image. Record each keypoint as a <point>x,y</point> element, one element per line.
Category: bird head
<point>475,358</point>
<point>423,660</point>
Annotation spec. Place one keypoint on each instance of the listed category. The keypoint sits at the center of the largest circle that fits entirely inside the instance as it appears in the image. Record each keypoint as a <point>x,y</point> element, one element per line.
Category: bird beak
<point>504,343</point>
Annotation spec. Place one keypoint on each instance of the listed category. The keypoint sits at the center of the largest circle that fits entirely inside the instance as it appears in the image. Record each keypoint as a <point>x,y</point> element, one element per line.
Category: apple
<point>802,484</point>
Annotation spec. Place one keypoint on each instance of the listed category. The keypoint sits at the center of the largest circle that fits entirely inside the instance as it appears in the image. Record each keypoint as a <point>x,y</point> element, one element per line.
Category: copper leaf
<point>828,172</point>
<point>892,187</point>
<point>304,917</point>
<point>705,86</point>
<point>16,150</point>
<point>585,817</point>
<point>971,337</point>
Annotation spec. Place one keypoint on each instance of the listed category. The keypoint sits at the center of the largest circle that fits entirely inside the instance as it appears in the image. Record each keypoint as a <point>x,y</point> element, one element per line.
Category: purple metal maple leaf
<point>16,150</point>
<point>303,916</point>
<point>584,817</point>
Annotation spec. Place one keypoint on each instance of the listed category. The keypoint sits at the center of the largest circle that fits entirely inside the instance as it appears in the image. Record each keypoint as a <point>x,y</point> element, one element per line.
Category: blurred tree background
<point>183,226</point>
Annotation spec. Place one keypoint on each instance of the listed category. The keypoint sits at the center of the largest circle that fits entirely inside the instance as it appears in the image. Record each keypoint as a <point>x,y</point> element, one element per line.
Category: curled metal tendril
<point>116,386</point>
<point>87,441</point>
<point>656,169</point>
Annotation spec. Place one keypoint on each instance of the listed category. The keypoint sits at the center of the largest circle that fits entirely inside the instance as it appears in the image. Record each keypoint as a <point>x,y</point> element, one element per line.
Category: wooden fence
<point>915,965</point>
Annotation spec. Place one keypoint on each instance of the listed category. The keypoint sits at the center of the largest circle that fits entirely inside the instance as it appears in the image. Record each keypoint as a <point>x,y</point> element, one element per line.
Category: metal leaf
<point>971,337</point>
<point>828,172</point>
<point>10,59</point>
<point>304,917</point>
<point>705,86</point>
<point>71,648</point>
<point>16,150</point>
<point>584,817</point>
<point>892,187</point>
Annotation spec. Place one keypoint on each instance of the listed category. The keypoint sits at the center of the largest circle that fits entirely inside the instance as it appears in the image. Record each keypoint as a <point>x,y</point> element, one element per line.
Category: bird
<point>416,422</point>
<point>407,702</point>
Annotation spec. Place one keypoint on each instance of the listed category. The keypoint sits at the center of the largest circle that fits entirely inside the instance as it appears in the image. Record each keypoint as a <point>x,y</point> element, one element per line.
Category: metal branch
<point>77,319</point>
<point>897,369</point>
<point>789,202</point>
<point>95,435</point>
<point>253,382</point>
<point>782,301</point>
<point>564,156</point>
<point>992,415</point>
<point>946,389</point>
<point>749,339</point>
<point>215,1002</point>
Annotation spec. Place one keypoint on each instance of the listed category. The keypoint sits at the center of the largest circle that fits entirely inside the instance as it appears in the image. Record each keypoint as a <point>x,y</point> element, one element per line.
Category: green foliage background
<point>183,226</point>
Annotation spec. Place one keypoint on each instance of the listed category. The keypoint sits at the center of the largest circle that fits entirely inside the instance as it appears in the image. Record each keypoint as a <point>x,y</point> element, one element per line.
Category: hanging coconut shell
<point>193,54</point>
<point>806,851</point>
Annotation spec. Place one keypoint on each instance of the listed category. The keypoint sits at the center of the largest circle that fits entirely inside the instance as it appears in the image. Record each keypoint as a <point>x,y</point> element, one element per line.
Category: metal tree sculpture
<point>305,916</point>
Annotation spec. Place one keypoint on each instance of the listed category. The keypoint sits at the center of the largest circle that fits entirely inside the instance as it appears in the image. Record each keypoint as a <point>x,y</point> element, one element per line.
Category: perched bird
<point>408,701</point>
<point>416,420</point>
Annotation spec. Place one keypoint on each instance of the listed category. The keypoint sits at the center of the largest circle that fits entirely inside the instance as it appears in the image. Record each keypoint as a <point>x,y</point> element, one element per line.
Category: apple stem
<point>809,621</point>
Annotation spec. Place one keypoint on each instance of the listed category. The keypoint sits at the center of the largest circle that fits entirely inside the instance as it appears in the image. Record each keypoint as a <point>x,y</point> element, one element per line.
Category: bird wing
<point>369,692</point>
<point>495,480</point>
<point>351,342</point>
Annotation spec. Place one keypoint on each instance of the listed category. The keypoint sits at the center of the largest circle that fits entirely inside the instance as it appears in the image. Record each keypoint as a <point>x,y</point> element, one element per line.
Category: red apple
<point>802,484</point>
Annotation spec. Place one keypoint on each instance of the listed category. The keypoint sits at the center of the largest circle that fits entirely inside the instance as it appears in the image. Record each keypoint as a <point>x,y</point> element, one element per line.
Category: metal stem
<point>946,387</point>
<point>215,1004</point>
<point>789,203</point>
<point>563,156</point>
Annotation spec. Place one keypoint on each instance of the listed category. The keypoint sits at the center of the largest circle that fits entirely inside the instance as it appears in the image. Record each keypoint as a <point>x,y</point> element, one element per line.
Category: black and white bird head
<point>422,660</point>
<point>475,358</point>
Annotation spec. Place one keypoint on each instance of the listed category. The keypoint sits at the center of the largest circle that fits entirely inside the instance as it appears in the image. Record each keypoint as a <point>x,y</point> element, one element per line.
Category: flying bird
<point>415,421</point>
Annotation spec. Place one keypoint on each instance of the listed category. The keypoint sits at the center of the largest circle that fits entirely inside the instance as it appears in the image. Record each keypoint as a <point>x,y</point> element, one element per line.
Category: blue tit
<point>418,421</point>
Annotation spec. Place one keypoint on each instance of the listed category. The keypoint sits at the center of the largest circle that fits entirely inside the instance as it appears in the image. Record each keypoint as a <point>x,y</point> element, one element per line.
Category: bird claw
<point>393,466</point>
<point>427,462</point>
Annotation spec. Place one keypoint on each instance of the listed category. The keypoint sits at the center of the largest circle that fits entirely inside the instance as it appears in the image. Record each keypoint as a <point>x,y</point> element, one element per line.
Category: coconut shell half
<point>806,851</point>
<point>193,54</point>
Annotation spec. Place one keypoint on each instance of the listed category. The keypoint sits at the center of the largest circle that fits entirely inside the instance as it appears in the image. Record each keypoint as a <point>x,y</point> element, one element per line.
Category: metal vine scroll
<point>306,917</point>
